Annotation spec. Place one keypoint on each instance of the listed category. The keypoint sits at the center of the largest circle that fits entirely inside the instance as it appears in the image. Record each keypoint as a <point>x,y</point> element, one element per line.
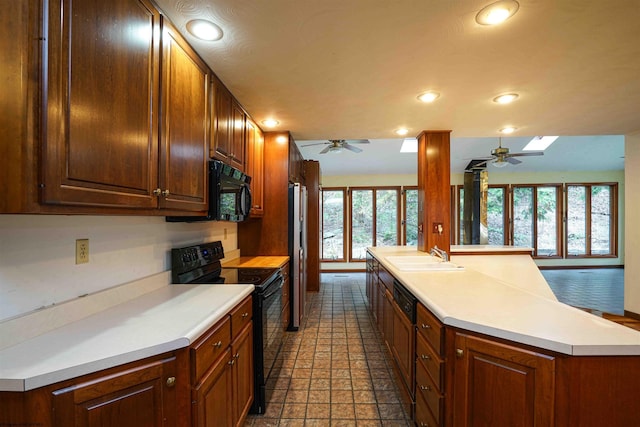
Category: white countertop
<point>499,295</point>
<point>163,320</point>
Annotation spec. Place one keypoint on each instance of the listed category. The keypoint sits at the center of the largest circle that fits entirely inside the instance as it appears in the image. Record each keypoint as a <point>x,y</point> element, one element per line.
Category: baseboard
<point>632,315</point>
<point>577,267</point>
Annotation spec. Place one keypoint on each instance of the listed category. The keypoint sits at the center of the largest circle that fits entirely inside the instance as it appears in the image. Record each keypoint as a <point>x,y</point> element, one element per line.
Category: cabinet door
<point>100,140</point>
<point>388,320</point>
<point>255,167</point>
<point>213,395</point>
<point>185,125</point>
<point>140,396</point>
<point>221,148</point>
<point>403,350</point>
<point>243,381</point>
<point>497,384</point>
<point>238,118</point>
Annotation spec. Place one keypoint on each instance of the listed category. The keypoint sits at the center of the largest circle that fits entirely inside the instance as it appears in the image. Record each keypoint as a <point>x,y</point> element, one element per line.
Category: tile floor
<point>335,370</point>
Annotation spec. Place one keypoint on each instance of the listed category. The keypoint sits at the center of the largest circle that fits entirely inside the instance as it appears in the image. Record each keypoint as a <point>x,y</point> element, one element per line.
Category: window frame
<point>403,220</point>
<point>456,217</point>
<point>559,218</point>
<point>345,239</point>
<point>613,229</point>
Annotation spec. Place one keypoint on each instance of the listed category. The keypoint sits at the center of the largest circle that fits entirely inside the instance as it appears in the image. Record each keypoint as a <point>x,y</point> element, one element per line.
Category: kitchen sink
<point>422,263</point>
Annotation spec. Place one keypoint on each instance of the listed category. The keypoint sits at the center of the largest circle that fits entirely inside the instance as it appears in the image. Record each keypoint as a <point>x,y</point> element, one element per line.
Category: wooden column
<point>312,175</point>
<point>434,194</point>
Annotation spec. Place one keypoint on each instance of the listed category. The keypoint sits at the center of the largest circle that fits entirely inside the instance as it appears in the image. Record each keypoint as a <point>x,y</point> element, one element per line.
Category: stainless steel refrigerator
<point>298,251</point>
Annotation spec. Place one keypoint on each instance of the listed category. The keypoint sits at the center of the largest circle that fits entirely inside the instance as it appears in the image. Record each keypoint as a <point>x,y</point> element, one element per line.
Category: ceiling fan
<point>501,157</point>
<point>337,145</point>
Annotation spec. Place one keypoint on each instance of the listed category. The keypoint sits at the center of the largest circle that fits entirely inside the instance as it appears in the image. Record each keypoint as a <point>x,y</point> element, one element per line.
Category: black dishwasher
<point>405,300</point>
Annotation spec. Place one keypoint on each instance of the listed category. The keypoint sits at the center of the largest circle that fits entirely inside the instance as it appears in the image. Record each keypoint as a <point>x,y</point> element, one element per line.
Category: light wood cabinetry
<point>141,395</point>
<point>228,139</point>
<point>255,167</point>
<point>501,385</point>
<point>95,133</point>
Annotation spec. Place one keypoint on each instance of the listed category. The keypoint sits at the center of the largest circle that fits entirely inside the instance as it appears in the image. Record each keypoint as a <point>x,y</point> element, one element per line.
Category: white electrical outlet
<point>82,251</point>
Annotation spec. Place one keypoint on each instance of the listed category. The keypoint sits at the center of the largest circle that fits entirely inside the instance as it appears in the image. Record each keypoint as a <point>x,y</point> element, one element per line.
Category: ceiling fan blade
<point>356,141</point>
<point>528,153</point>
<point>512,160</point>
<point>351,148</point>
<point>326,149</point>
<point>315,143</point>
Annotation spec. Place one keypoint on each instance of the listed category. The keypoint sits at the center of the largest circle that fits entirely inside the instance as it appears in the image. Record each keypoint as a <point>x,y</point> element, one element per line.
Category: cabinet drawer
<point>431,361</point>
<point>431,394</point>
<point>241,316</point>
<point>430,328</point>
<point>207,350</point>
<point>423,417</point>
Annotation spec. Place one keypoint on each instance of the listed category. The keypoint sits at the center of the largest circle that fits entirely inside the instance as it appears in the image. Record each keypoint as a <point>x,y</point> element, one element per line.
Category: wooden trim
<point>345,239</point>
<point>632,315</point>
<point>578,267</point>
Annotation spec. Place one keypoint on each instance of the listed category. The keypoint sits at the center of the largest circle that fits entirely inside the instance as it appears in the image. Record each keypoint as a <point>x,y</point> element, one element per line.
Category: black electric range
<point>200,264</point>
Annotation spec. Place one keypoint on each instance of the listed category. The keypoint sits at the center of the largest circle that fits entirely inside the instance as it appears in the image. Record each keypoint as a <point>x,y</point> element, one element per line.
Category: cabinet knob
<point>245,315</point>
<point>236,356</point>
<point>232,361</point>
<point>425,326</point>
<point>459,352</point>
<point>156,192</point>
<point>425,357</point>
<point>424,424</point>
<point>425,388</point>
<point>217,344</point>
<point>165,193</point>
<point>171,381</point>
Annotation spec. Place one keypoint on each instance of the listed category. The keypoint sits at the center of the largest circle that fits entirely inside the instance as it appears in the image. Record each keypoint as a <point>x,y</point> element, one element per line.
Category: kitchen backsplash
<point>37,254</point>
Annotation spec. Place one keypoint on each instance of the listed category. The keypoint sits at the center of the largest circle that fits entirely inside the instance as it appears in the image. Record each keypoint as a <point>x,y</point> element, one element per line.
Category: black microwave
<point>229,195</point>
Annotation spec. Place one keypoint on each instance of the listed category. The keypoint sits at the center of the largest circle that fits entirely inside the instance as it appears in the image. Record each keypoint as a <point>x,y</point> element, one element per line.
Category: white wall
<point>632,231</point>
<point>37,254</point>
<point>504,178</point>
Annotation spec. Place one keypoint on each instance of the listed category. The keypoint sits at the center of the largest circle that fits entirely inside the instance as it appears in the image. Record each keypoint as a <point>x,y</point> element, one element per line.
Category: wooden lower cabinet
<point>403,346</point>
<point>142,395</point>
<point>242,380</point>
<point>497,384</point>
<point>212,396</point>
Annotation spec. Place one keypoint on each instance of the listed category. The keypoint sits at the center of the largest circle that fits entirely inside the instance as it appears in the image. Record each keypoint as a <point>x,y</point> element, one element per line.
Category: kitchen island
<point>491,345</point>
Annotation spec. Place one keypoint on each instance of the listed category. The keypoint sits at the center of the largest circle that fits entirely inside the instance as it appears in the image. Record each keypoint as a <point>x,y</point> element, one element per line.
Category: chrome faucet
<point>442,254</point>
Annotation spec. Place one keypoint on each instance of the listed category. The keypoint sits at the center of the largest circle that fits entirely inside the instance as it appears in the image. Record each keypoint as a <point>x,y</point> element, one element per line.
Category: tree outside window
<point>591,219</point>
<point>333,226</point>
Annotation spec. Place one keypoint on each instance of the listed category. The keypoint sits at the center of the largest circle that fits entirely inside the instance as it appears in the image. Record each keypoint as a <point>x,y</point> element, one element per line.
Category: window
<point>374,219</point>
<point>536,218</point>
<point>410,216</point>
<point>333,224</point>
<point>591,219</point>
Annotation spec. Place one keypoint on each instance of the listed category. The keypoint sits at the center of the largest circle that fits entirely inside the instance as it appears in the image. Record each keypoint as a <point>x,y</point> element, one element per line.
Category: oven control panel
<point>197,257</point>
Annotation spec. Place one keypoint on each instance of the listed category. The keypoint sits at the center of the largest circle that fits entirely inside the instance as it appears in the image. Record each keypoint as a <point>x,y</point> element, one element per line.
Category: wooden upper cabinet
<point>100,144</point>
<point>221,139</point>
<point>185,125</point>
<point>255,167</point>
<point>238,122</point>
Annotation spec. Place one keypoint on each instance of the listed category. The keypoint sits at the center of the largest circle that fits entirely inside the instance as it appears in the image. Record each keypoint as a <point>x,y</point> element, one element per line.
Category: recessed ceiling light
<point>429,96</point>
<point>539,143</point>
<point>204,30</point>
<point>402,131</point>
<point>508,129</point>
<point>409,145</point>
<point>270,123</point>
<point>498,12</point>
<point>506,98</point>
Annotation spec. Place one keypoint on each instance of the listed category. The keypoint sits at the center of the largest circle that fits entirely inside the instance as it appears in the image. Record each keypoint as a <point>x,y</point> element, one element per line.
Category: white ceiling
<point>336,69</point>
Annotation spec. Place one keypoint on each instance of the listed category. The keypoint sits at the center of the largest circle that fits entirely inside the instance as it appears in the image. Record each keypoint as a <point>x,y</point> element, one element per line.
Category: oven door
<point>272,331</point>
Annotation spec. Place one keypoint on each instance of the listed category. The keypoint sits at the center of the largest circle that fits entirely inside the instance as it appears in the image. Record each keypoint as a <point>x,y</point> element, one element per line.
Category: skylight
<point>539,143</point>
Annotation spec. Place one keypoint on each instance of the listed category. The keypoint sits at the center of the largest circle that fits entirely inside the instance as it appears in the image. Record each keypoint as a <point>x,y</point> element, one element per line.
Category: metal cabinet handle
<point>423,424</point>
<point>425,388</point>
<point>459,352</point>
<point>217,344</point>
<point>156,192</point>
<point>425,357</point>
<point>425,326</point>
<point>171,381</point>
<point>236,356</point>
<point>232,361</point>
<point>245,315</point>
<point>165,193</point>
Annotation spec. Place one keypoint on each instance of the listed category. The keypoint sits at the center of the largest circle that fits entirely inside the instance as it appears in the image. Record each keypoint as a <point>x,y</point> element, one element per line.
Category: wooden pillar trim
<point>434,194</point>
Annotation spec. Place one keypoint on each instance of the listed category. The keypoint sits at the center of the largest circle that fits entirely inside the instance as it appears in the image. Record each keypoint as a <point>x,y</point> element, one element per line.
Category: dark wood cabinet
<point>296,164</point>
<point>112,120</point>
<point>212,395</point>
<point>228,136</point>
<point>184,133</point>
<point>242,369</point>
<point>313,177</point>
<point>403,346</point>
<point>497,384</point>
<point>142,395</point>
<point>255,166</point>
